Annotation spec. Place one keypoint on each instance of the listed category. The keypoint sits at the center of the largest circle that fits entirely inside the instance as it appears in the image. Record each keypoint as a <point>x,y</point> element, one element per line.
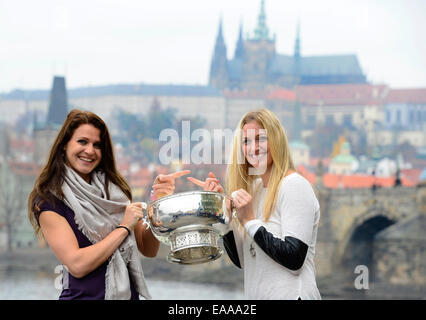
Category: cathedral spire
<point>239,49</point>
<point>297,42</point>
<point>219,38</point>
<point>219,63</point>
<point>261,32</point>
<point>297,58</point>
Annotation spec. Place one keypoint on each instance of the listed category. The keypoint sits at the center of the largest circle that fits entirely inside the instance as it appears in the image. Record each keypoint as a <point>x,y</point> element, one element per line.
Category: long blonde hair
<point>238,176</point>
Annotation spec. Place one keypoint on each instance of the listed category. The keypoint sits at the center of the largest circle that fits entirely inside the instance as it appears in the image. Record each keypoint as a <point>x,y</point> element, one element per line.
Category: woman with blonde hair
<point>274,231</point>
<point>83,208</point>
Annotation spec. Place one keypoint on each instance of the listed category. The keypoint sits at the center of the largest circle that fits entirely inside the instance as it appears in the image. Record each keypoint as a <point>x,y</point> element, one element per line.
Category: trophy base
<point>195,255</point>
<point>194,245</point>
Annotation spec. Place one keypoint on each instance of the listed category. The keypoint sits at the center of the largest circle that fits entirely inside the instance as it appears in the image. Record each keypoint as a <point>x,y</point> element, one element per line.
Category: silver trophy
<point>191,223</point>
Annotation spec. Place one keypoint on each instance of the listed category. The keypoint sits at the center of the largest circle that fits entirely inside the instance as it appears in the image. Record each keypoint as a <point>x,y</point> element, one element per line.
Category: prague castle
<point>304,92</point>
<point>256,64</point>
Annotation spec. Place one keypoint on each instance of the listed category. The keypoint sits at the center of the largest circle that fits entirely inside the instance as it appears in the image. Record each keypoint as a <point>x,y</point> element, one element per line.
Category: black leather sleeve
<point>231,248</point>
<point>290,253</point>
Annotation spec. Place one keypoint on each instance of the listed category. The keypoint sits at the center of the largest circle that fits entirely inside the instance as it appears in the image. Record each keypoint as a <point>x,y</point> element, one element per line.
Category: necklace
<point>252,250</point>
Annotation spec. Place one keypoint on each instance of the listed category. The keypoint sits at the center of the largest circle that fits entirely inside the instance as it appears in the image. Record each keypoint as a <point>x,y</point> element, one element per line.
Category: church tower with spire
<point>258,55</point>
<point>44,134</point>
<point>58,104</point>
<point>257,66</point>
<point>297,57</point>
<point>239,48</point>
<point>219,63</point>
<point>297,114</point>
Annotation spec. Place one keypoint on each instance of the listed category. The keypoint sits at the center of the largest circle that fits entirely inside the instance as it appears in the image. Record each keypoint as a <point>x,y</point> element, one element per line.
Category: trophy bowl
<point>191,223</point>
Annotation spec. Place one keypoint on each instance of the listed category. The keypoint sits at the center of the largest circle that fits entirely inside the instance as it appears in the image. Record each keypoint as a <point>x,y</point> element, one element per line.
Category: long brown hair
<point>49,182</point>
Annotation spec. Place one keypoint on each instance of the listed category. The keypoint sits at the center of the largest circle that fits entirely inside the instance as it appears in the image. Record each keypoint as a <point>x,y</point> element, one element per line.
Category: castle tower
<point>58,105</point>
<point>259,53</point>
<point>297,56</point>
<point>297,114</point>
<point>239,48</point>
<point>44,134</point>
<point>219,63</point>
<point>262,30</point>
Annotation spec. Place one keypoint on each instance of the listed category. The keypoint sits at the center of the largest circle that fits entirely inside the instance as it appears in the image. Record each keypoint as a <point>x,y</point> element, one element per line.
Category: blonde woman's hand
<point>243,202</point>
<point>210,184</point>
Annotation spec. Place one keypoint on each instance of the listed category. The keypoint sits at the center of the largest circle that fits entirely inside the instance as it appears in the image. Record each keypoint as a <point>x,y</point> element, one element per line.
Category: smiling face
<point>255,146</point>
<point>83,151</point>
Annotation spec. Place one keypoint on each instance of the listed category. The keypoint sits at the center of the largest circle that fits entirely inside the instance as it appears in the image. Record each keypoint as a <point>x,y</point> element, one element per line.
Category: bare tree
<point>12,198</point>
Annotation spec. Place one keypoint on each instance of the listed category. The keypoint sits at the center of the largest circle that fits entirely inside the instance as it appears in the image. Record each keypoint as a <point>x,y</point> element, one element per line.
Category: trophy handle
<point>148,219</point>
<point>145,221</point>
<point>233,210</point>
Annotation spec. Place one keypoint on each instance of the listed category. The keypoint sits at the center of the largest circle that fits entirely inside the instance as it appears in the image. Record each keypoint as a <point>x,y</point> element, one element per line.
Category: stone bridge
<point>352,221</point>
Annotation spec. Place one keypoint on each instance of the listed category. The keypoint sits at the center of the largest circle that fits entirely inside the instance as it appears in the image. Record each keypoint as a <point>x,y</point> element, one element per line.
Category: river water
<point>28,284</point>
<point>36,285</point>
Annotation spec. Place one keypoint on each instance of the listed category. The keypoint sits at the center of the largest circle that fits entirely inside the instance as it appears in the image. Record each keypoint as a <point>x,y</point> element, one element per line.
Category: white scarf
<point>97,217</point>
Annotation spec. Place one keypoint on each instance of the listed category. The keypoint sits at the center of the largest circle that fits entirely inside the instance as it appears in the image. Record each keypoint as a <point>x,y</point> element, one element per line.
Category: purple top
<point>92,285</point>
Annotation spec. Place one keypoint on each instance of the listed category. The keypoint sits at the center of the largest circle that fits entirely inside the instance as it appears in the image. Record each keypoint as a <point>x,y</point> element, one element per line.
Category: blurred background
<point>346,78</point>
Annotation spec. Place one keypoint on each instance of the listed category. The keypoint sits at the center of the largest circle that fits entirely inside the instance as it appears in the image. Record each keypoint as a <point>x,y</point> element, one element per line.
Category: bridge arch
<point>357,247</point>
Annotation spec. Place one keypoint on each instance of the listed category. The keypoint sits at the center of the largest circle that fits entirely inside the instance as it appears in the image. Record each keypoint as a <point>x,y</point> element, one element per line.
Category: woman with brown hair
<point>83,207</point>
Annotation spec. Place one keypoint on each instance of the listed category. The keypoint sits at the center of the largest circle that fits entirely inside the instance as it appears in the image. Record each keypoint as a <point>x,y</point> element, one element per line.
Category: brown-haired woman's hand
<point>210,184</point>
<point>164,184</point>
<point>132,215</point>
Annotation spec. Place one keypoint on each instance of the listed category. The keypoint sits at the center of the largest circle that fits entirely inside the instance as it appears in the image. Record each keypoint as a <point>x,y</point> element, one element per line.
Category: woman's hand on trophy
<point>243,202</point>
<point>153,220</point>
<point>132,215</point>
<point>210,184</point>
<point>229,207</point>
<point>164,184</point>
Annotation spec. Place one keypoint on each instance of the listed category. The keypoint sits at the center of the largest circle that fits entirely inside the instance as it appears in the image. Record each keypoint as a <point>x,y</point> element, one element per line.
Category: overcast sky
<point>97,42</point>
